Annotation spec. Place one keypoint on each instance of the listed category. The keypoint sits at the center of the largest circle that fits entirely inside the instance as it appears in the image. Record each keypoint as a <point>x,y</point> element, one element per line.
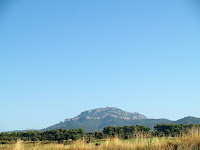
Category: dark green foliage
<point>52,135</point>
<point>99,135</point>
<point>172,129</point>
<point>125,132</point>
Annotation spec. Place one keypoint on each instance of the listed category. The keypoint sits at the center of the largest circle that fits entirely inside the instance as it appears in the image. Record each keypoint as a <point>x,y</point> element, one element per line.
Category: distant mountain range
<point>96,119</point>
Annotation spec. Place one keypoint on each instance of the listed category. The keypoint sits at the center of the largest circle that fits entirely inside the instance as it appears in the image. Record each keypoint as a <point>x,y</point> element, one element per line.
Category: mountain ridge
<point>100,113</point>
<point>96,119</point>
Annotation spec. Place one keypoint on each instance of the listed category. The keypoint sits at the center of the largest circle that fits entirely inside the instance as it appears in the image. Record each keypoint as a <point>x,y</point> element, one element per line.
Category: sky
<point>60,58</point>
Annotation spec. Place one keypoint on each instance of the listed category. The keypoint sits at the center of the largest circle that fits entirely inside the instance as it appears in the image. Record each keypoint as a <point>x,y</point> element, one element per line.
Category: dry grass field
<point>189,141</point>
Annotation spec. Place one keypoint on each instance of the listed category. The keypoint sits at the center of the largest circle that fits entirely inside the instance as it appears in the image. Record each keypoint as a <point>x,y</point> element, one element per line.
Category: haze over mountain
<point>96,119</point>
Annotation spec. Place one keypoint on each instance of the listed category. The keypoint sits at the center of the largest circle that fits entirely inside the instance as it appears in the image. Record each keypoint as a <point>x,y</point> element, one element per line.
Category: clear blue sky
<point>59,58</point>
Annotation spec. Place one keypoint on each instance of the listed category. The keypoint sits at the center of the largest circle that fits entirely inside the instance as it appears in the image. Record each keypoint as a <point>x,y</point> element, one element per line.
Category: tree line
<point>124,132</point>
<point>173,129</point>
<point>51,135</point>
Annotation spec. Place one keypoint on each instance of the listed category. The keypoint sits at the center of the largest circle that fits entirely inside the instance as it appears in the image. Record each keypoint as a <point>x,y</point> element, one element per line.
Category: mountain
<point>96,119</point>
<point>101,113</point>
<point>188,120</point>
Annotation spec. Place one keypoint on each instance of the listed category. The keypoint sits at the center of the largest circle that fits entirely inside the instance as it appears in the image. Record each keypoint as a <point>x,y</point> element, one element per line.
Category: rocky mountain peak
<point>101,113</point>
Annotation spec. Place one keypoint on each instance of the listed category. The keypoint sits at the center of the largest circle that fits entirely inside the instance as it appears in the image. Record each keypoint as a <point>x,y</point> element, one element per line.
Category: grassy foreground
<point>189,141</point>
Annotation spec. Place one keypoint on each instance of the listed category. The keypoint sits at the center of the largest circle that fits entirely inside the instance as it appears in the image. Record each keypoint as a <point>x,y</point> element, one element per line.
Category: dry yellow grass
<point>19,145</point>
<point>189,141</point>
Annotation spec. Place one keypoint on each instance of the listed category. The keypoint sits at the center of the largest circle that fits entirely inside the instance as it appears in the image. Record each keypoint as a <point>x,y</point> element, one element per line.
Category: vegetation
<point>165,137</point>
<point>52,135</point>
<point>125,132</point>
<point>172,129</point>
<point>63,135</point>
<point>189,141</point>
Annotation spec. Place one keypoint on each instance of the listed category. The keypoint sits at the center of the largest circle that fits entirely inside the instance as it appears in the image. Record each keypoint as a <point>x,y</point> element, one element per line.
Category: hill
<point>96,119</point>
<point>188,120</point>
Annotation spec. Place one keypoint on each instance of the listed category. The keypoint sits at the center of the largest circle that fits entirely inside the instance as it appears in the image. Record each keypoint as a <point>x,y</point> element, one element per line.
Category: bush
<point>97,144</point>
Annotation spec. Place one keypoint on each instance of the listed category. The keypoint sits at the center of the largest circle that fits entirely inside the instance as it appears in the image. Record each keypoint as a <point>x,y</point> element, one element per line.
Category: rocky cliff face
<point>101,113</point>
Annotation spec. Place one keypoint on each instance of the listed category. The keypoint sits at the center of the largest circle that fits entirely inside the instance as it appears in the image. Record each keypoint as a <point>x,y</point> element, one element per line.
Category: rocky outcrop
<point>101,113</point>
